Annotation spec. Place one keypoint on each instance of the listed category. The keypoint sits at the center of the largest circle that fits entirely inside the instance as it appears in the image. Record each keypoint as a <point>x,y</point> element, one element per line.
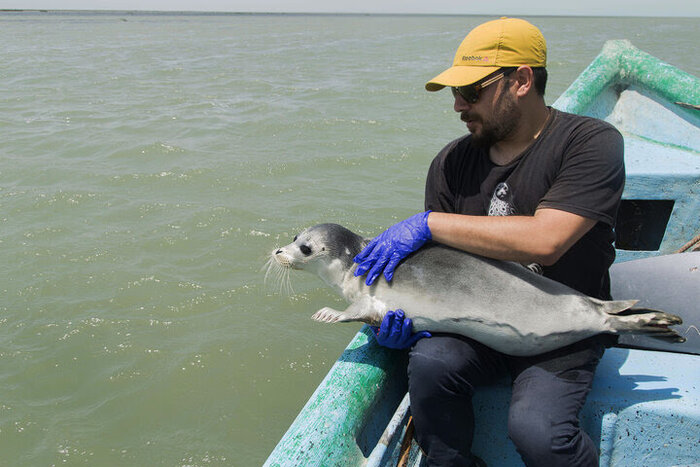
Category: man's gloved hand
<point>395,332</point>
<point>385,251</point>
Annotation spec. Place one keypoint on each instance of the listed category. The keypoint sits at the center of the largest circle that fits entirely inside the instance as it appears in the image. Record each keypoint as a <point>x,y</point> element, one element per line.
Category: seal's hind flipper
<point>653,323</point>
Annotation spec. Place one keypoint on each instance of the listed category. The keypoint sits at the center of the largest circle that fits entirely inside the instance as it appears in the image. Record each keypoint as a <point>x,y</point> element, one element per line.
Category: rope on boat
<point>688,106</point>
<point>693,245</point>
<point>405,450</point>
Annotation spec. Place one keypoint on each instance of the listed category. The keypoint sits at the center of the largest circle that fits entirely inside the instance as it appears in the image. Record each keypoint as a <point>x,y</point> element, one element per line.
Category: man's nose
<point>460,104</point>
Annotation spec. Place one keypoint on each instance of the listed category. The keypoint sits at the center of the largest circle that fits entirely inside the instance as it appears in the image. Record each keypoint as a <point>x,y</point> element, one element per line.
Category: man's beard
<point>501,124</point>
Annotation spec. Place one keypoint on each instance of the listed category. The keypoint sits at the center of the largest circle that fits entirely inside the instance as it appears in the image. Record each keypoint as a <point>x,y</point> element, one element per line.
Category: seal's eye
<point>305,249</point>
<point>295,238</point>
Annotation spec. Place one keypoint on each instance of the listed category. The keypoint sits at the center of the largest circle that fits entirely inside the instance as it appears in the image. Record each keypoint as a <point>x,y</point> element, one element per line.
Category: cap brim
<point>459,76</point>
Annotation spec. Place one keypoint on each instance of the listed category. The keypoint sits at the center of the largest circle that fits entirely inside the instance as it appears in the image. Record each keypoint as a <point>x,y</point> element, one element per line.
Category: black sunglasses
<point>472,92</point>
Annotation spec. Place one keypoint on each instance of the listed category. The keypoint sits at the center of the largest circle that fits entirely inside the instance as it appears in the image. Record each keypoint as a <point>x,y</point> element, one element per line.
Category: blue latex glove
<point>385,251</point>
<point>395,331</point>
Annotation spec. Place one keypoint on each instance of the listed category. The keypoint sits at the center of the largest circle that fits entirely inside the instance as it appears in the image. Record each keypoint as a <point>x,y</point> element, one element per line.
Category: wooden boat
<point>644,408</point>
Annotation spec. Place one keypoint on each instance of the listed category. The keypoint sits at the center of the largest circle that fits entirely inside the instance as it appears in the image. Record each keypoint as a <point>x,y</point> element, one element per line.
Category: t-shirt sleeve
<point>439,195</point>
<point>592,174</point>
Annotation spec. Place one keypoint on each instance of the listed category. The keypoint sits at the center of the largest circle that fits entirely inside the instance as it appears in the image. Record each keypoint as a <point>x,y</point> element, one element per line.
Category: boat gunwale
<point>621,63</point>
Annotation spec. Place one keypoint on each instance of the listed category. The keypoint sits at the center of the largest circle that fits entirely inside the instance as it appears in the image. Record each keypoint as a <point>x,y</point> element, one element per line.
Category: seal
<point>498,303</point>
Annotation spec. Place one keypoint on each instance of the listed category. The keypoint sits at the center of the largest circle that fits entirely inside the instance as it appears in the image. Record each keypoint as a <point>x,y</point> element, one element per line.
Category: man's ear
<point>525,79</point>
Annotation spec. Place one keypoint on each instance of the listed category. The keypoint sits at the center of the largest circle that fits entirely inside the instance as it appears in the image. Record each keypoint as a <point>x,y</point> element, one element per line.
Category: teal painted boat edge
<point>621,62</point>
<point>332,428</point>
<point>597,76</point>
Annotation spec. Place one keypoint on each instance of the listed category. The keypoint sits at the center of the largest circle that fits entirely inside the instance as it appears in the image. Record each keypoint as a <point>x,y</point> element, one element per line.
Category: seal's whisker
<point>286,282</point>
<point>280,274</point>
<point>268,266</point>
<point>290,289</point>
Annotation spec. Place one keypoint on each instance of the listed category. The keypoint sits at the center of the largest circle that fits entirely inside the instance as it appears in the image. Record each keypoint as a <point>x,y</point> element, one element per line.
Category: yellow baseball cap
<point>504,42</point>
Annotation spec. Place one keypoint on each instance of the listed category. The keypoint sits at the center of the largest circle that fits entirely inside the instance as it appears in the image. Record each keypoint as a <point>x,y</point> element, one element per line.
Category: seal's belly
<point>506,307</point>
<point>502,324</point>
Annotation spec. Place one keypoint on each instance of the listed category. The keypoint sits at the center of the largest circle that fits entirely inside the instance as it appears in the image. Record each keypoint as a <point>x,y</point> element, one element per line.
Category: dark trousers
<point>549,390</point>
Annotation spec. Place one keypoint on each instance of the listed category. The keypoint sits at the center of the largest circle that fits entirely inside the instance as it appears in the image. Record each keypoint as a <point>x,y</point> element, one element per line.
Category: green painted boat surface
<point>644,408</point>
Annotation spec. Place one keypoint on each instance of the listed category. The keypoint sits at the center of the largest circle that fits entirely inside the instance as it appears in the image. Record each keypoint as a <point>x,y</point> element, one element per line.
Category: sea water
<point>148,165</point>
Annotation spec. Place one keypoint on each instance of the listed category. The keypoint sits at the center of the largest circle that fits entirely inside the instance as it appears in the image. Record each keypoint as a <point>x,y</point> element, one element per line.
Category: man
<point>528,184</point>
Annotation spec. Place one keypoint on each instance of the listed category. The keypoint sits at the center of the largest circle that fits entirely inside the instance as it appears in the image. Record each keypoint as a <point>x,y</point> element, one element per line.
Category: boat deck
<point>637,417</point>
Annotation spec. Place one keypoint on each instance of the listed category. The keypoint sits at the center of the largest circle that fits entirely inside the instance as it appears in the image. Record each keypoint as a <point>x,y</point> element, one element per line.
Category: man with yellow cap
<point>529,184</point>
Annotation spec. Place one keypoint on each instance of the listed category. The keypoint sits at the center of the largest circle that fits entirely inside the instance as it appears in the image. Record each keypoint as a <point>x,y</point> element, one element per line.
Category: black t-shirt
<point>576,165</point>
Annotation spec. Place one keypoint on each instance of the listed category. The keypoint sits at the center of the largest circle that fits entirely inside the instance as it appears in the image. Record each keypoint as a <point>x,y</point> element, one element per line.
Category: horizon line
<point>310,13</point>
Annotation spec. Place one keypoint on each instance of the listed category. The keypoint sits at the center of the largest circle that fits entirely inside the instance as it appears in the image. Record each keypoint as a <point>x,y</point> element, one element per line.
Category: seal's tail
<point>623,318</point>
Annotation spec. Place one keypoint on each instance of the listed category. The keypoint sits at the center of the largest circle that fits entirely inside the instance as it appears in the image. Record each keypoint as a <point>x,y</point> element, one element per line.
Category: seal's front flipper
<point>365,310</point>
<point>330,315</point>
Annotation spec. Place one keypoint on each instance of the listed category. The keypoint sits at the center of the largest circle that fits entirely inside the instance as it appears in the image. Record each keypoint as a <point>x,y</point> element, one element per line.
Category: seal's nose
<point>278,252</point>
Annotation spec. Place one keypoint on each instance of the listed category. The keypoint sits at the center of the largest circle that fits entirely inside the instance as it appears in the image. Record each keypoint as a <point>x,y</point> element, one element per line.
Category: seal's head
<point>325,249</point>
<point>318,247</point>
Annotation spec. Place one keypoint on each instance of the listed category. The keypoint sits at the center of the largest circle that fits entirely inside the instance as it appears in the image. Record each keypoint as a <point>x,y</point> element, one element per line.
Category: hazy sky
<point>489,7</point>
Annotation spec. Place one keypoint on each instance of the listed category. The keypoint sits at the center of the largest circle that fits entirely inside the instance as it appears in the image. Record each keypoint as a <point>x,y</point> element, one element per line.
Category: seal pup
<point>498,303</point>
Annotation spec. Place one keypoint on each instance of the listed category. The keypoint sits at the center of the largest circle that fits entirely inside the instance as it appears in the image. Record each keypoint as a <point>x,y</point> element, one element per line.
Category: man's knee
<point>540,441</point>
<point>531,432</point>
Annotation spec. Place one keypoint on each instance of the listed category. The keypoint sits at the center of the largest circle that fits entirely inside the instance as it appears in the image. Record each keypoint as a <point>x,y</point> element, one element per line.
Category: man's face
<point>493,117</point>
